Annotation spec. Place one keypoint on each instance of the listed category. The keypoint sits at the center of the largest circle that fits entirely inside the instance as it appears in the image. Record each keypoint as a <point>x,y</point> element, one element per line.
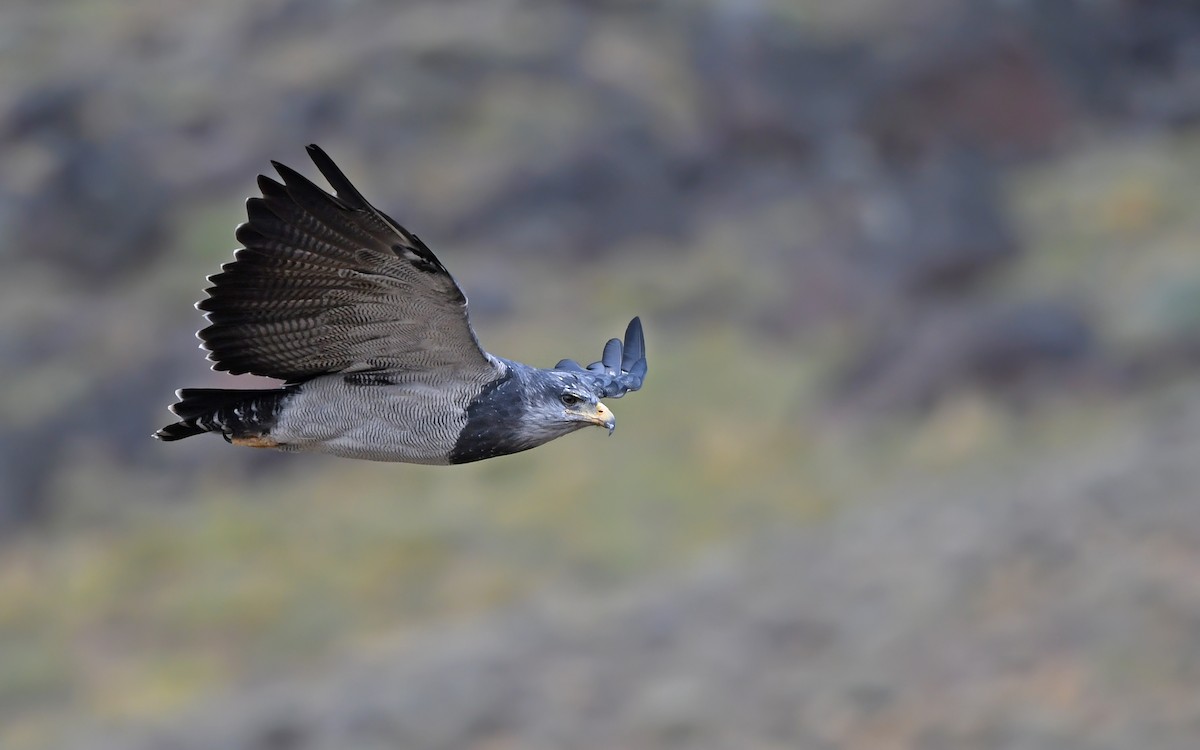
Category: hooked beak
<point>604,418</point>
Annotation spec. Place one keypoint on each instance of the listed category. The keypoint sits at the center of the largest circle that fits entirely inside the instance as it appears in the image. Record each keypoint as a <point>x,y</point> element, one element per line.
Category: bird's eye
<point>570,399</point>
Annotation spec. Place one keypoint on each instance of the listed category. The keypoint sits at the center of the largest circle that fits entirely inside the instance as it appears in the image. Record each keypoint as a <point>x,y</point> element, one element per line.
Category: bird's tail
<point>235,414</point>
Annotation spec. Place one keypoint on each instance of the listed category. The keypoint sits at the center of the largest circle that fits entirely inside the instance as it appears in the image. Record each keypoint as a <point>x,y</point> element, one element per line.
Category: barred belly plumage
<point>410,420</point>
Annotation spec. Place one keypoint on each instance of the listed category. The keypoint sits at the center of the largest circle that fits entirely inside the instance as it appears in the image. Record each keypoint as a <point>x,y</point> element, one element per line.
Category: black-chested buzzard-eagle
<point>371,334</point>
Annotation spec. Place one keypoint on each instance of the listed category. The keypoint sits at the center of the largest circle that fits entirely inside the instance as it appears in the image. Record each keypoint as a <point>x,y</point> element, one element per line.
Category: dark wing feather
<point>327,283</point>
<point>622,367</point>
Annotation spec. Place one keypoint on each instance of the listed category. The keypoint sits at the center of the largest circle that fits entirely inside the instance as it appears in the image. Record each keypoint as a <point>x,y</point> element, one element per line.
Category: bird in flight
<point>372,337</point>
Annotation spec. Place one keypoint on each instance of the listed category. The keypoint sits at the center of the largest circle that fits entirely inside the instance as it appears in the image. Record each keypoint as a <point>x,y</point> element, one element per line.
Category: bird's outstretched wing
<point>621,368</point>
<point>328,283</point>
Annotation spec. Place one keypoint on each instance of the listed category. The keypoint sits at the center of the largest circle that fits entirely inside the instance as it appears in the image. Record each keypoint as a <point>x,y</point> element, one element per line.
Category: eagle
<point>371,335</point>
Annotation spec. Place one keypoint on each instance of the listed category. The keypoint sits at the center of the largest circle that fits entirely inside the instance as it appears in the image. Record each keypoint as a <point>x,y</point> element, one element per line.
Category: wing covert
<point>327,283</point>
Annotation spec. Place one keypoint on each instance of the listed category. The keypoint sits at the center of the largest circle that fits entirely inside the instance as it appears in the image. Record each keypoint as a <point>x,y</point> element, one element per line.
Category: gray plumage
<point>371,334</point>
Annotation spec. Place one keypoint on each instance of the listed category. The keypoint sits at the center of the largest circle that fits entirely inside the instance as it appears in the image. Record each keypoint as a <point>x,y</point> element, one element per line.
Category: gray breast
<point>491,427</point>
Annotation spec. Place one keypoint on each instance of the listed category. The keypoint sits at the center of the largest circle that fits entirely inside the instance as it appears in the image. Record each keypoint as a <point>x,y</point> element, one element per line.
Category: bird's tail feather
<point>232,413</point>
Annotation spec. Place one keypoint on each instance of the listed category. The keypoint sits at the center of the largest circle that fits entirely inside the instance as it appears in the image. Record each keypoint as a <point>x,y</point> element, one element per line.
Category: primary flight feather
<point>372,336</point>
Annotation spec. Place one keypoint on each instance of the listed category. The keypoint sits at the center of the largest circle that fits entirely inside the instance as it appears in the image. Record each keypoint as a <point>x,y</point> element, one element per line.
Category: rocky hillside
<point>912,467</point>
<point>864,161</point>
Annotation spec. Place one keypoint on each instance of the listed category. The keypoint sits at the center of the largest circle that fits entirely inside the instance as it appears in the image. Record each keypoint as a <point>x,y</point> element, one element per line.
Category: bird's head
<point>568,396</point>
<point>527,407</point>
<point>563,402</point>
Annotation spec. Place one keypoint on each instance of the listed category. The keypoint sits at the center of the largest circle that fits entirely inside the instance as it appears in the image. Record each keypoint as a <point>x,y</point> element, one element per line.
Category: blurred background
<point>916,464</point>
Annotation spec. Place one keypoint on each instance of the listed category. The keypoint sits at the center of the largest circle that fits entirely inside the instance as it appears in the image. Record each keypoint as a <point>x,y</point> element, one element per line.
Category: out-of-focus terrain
<point>914,465</point>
